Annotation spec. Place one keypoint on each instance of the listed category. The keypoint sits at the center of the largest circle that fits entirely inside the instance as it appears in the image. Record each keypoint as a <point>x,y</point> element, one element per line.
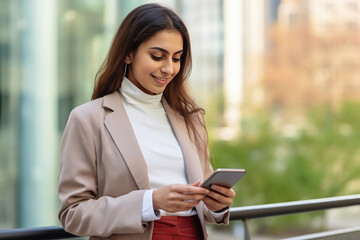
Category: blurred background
<point>279,80</point>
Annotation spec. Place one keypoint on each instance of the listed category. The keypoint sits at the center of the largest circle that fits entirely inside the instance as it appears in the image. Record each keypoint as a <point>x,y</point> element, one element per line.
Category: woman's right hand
<point>178,197</point>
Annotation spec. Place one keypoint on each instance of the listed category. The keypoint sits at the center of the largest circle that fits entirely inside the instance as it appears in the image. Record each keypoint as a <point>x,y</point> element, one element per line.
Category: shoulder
<point>95,111</point>
<point>98,106</point>
<point>87,109</point>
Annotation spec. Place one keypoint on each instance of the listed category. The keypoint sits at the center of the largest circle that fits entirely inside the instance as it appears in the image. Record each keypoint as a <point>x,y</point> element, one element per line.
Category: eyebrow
<point>165,51</point>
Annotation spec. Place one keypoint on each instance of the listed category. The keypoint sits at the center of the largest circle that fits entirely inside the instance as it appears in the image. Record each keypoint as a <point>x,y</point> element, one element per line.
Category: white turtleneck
<point>157,142</point>
<point>155,136</point>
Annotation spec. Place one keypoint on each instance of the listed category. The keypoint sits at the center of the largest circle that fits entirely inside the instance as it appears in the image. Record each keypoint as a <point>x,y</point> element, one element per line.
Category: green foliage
<point>319,159</point>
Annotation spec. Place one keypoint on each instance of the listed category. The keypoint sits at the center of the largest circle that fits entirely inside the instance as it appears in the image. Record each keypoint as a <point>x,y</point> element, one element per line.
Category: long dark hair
<point>138,26</point>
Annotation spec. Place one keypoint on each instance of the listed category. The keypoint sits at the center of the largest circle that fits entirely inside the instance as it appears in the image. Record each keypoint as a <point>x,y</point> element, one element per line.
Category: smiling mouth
<point>160,79</point>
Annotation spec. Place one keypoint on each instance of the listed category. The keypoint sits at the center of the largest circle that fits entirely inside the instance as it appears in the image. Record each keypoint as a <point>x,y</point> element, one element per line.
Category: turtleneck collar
<point>133,95</point>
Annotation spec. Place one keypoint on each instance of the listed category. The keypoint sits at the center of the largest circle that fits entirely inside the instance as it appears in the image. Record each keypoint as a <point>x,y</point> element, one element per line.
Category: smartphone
<point>226,177</point>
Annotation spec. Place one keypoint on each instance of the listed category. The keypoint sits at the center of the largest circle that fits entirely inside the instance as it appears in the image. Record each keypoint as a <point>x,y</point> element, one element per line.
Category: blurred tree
<point>321,160</point>
<point>302,143</point>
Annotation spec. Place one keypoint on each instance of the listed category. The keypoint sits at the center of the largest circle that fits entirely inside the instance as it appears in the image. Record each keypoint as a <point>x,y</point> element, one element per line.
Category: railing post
<point>246,229</point>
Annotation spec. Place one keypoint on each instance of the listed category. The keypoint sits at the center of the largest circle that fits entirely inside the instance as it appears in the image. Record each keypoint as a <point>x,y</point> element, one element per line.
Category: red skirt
<point>177,228</point>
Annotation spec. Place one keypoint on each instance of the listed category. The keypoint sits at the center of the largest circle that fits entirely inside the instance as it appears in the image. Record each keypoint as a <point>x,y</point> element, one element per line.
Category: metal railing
<point>237,213</point>
<point>277,209</point>
<point>52,232</point>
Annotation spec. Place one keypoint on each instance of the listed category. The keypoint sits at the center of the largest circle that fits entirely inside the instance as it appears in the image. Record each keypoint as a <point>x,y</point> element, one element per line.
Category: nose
<point>168,68</point>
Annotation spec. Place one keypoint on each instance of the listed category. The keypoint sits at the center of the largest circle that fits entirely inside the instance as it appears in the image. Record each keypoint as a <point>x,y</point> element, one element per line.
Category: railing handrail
<point>330,235</point>
<point>49,232</point>
<point>236,213</point>
<point>276,209</point>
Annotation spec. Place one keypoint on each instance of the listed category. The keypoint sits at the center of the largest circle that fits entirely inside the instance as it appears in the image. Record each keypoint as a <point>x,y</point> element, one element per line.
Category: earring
<point>125,70</point>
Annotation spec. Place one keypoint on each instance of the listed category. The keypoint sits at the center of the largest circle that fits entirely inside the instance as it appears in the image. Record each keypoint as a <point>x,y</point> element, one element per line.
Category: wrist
<point>154,200</point>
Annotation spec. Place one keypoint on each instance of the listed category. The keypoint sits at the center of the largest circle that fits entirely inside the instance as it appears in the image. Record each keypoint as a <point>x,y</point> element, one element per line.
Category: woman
<point>132,159</point>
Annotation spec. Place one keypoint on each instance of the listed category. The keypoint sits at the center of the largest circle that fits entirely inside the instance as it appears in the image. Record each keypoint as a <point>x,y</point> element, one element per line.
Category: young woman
<point>132,159</point>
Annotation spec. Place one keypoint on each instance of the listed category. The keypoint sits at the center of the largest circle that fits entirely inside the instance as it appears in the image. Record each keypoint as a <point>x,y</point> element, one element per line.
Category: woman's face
<point>156,61</point>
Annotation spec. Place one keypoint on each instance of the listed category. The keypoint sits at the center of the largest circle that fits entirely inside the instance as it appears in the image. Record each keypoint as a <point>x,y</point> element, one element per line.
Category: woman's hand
<point>220,198</point>
<point>178,197</point>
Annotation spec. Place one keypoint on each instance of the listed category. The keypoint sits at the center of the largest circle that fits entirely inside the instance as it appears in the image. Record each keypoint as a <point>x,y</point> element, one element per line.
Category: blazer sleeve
<point>82,212</point>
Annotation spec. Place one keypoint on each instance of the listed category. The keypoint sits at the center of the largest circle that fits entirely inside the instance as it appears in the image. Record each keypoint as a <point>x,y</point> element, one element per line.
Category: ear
<point>128,58</point>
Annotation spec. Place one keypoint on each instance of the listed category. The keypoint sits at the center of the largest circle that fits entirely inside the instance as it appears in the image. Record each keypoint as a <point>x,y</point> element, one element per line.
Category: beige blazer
<point>103,174</point>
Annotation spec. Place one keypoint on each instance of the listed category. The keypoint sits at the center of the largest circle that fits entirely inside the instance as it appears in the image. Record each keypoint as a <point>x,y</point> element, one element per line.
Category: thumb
<point>196,184</point>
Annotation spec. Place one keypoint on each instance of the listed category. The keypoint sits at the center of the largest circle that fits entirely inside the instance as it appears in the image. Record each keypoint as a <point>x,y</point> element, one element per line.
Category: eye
<point>156,58</point>
<point>176,59</point>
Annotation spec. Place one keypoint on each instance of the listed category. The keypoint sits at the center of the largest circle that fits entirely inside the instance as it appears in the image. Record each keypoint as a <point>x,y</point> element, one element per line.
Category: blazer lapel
<point>191,158</point>
<point>119,127</point>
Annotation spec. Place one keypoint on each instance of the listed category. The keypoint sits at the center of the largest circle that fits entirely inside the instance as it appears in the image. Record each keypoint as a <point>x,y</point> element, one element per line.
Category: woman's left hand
<point>219,198</point>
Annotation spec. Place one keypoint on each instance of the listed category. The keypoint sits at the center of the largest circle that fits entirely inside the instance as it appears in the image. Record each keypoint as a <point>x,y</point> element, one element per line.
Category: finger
<point>196,184</point>
<point>212,204</point>
<point>228,192</point>
<point>177,206</point>
<point>193,197</point>
<point>188,189</point>
<point>169,199</point>
<point>175,196</point>
<point>220,198</point>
